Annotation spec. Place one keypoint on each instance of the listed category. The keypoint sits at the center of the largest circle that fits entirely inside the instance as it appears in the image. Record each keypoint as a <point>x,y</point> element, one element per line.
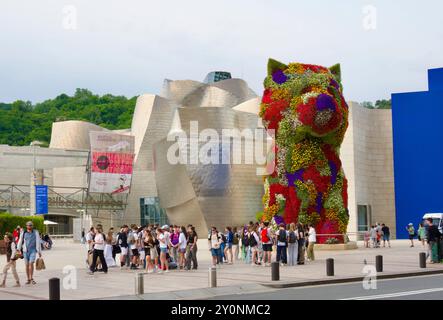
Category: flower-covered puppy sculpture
<point>305,107</point>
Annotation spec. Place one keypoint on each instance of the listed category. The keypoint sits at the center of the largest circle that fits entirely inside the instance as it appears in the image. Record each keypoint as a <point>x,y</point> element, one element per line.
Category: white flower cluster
<point>311,94</point>
<point>279,197</point>
<point>281,171</point>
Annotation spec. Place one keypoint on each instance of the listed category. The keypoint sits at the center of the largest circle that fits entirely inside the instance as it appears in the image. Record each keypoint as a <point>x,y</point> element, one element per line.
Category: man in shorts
<point>29,245</point>
<point>133,239</point>
<point>266,239</point>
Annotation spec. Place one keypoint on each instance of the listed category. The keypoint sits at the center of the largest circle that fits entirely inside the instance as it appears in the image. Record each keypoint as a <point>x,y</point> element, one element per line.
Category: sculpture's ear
<point>336,71</point>
<point>274,65</point>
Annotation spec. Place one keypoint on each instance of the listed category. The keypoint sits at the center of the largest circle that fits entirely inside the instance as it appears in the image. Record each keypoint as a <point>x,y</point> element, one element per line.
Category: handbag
<point>40,264</point>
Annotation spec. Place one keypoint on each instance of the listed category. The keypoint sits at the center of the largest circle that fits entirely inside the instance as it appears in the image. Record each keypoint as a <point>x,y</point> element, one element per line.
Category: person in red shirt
<point>16,234</point>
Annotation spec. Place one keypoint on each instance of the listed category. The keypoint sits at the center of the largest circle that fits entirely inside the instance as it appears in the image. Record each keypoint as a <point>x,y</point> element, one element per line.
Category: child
<point>367,238</point>
<point>11,257</point>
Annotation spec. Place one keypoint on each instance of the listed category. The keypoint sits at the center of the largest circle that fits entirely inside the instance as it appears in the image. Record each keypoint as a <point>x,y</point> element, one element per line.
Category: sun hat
<point>165,227</point>
<point>29,223</point>
<point>410,224</point>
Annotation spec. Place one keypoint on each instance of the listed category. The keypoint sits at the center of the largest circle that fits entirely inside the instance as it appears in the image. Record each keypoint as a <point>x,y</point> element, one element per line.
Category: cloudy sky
<point>49,47</point>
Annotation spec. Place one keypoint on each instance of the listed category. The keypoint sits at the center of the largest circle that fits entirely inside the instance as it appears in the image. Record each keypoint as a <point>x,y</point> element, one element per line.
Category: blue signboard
<point>41,199</point>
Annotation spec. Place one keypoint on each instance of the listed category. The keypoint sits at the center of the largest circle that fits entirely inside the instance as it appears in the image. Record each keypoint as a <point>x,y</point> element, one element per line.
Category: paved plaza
<point>69,257</point>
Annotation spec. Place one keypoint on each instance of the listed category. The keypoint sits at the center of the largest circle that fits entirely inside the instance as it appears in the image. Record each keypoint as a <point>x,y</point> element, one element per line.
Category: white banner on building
<point>112,157</point>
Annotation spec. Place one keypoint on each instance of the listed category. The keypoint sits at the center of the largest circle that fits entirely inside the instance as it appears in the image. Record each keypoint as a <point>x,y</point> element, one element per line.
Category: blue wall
<point>417,121</point>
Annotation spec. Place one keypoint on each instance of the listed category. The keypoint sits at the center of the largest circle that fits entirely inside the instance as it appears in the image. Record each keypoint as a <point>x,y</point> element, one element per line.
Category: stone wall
<point>367,155</point>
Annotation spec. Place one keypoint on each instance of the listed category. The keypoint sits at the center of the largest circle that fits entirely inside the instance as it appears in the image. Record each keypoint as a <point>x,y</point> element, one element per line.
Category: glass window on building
<point>363,217</point>
<point>215,76</point>
<point>151,212</point>
<point>63,225</point>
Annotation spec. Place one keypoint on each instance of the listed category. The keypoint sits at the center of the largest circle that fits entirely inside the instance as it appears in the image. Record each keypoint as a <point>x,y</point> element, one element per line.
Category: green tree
<point>383,104</point>
<point>367,104</point>
<point>21,122</point>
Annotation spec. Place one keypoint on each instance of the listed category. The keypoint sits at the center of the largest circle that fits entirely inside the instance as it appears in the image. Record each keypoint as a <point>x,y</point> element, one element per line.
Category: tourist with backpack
<point>282,241</point>
<point>312,238</point>
<point>266,239</point>
<point>292,245</point>
<point>254,241</point>
<point>214,244</point>
<point>228,247</point>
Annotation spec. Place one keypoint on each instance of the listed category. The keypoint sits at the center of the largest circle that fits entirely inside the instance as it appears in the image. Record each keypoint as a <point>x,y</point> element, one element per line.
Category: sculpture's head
<point>303,99</point>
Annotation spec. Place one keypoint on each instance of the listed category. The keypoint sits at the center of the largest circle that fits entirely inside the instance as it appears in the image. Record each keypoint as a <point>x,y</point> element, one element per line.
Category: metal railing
<point>18,196</point>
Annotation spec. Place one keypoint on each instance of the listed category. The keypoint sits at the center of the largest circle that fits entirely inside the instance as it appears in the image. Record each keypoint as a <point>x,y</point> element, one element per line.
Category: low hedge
<point>8,222</point>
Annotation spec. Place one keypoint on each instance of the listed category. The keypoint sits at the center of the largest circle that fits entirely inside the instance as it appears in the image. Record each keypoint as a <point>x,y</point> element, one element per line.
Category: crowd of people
<point>429,236</point>
<point>376,234</point>
<point>154,248</point>
<point>159,249</point>
<point>255,242</point>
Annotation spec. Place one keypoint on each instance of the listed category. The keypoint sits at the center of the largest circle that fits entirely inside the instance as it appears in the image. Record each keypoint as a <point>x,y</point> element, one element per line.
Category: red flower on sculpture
<point>321,182</point>
<point>267,96</point>
<point>331,155</point>
<point>306,112</point>
<point>273,113</point>
<point>344,192</point>
<point>315,68</point>
<point>274,189</point>
<point>292,207</point>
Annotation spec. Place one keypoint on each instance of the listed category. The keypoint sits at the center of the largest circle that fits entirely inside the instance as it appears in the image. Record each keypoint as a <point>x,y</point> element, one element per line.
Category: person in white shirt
<point>163,239</point>
<point>312,239</point>
<point>167,233</point>
<point>182,243</point>
<point>214,243</point>
<point>99,246</point>
<point>133,245</point>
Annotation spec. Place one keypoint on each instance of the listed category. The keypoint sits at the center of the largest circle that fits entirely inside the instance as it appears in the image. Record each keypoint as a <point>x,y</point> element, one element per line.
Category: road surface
<point>413,288</point>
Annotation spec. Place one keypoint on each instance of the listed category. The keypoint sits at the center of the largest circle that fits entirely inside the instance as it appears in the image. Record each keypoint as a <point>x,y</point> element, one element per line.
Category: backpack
<point>230,237</point>
<point>282,235</point>
<point>301,239</point>
<point>252,240</point>
<point>292,237</point>
<point>131,238</point>
<point>235,238</point>
<point>245,241</point>
<point>264,235</point>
